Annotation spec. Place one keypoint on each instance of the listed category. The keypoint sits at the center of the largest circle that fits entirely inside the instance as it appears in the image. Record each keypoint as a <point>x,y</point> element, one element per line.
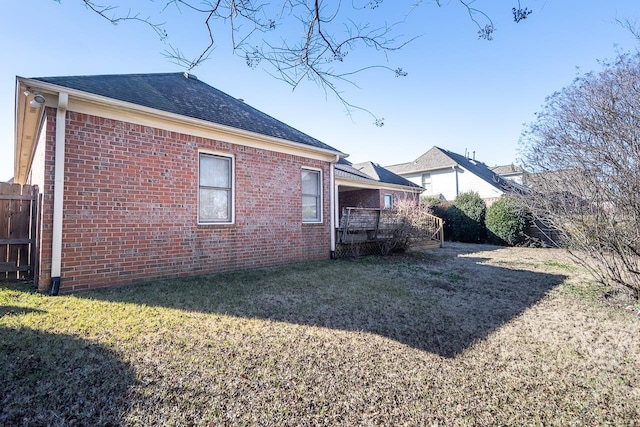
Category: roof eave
<point>27,122</point>
<point>115,103</point>
<point>375,185</point>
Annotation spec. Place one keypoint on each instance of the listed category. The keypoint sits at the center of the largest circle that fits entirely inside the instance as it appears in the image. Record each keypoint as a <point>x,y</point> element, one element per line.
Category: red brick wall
<point>359,199</point>
<point>130,208</point>
<point>368,198</point>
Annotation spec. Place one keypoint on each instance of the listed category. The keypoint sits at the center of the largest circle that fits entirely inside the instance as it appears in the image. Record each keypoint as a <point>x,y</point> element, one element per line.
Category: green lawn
<point>465,335</point>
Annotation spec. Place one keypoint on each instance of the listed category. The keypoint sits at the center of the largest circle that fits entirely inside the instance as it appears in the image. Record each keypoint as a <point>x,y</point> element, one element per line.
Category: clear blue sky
<point>461,93</point>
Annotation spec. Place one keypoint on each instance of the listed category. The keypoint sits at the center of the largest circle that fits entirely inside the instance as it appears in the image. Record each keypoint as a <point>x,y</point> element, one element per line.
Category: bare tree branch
<point>261,33</point>
<point>584,150</point>
<point>106,13</point>
<point>631,26</point>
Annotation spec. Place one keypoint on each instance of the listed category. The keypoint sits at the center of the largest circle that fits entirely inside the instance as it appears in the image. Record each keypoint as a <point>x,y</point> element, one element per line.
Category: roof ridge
<point>109,75</point>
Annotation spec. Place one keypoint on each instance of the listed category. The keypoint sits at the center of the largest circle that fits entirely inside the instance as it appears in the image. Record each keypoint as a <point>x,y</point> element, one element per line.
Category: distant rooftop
<point>370,172</point>
<point>506,170</point>
<point>434,159</point>
<point>437,158</point>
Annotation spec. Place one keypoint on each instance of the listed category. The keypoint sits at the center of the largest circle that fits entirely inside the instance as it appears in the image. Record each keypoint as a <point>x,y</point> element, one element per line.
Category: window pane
<point>215,205</point>
<point>215,171</point>
<point>311,205</point>
<point>310,208</point>
<point>310,180</point>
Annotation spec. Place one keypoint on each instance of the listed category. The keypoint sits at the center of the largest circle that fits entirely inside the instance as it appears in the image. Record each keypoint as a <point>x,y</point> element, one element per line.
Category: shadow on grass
<point>440,302</point>
<point>52,379</point>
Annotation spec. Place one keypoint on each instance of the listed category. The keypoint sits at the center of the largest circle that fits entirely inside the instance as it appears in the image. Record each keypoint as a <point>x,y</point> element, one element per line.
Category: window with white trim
<point>311,195</point>
<point>388,201</point>
<point>215,182</point>
<point>426,182</point>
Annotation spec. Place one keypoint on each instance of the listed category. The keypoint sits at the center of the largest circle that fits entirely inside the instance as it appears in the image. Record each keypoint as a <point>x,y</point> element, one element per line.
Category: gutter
<point>455,170</point>
<point>58,192</point>
<point>332,204</point>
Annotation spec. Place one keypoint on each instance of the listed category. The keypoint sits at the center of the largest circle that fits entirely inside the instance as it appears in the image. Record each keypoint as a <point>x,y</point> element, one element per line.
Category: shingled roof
<point>506,170</point>
<point>371,172</point>
<point>438,158</point>
<point>435,158</point>
<point>184,94</point>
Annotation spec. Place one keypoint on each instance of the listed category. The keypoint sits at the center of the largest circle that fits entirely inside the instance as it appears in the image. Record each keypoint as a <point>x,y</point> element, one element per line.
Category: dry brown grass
<point>465,335</point>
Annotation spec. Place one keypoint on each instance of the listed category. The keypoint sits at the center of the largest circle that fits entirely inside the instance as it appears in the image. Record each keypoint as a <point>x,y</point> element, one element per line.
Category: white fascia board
<point>102,106</point>
<point>376,185</point>
<point>27,123</point>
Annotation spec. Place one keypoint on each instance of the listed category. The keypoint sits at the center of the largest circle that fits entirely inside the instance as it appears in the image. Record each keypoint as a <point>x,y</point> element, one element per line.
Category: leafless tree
<point>407,225</point>
<point>298,40</point>
<point>584,152</point>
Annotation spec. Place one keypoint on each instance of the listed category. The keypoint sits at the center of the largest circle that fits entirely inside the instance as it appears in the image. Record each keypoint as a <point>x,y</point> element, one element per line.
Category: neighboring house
<point>148,176</point>
<point>511,172</point>
<point>445,174</point>
<point>369,185</point>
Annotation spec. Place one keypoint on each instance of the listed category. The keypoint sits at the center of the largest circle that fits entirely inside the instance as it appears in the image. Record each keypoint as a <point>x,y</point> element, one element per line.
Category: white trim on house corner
<point>333,190</point>
<point>58,186</point>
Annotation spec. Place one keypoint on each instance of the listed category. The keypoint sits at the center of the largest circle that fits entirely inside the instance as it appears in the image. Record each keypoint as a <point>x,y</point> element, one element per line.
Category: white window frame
<point>232,189</point>
<point>425,181</point>
<point>319,219</point>
<point>390,205</point>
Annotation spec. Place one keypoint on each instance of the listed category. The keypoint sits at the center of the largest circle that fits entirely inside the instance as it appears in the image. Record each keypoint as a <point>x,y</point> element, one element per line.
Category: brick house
<point>161,175</point>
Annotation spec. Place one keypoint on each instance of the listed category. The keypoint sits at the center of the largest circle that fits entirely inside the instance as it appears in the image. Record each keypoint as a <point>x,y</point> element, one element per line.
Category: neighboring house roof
<point>438,158</point>
<point>344,169</point>
<point>369,172</point>
<point>506,170</point>
<point>184,94</point>
<point>382,174</point>
<point>434,159</point>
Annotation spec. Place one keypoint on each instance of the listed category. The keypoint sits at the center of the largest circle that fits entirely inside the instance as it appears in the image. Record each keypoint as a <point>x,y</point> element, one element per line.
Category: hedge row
<point>467,219</point>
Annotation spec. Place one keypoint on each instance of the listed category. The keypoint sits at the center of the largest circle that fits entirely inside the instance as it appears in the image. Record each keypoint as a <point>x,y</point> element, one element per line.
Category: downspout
<point>58,193</point>
<point>332,204</point>
<point>455,170</point>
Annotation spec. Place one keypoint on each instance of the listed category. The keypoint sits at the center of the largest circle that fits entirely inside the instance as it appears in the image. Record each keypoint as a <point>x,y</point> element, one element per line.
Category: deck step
<point>426,246</point>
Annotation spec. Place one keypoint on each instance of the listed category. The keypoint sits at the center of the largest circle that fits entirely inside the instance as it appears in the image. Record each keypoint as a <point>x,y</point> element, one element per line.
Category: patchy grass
<point>464,335</point>
<point>560,265</point>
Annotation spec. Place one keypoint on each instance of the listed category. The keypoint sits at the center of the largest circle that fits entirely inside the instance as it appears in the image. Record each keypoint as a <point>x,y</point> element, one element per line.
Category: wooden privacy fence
<point>18,229</point>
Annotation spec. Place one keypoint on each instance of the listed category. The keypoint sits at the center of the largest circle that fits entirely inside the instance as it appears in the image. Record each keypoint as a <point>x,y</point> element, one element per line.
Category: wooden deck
<point>368,231</point>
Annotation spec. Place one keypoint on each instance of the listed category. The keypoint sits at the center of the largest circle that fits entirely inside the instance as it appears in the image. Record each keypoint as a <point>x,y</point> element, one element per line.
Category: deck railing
<point>435,226</point>
<point>372,225</point>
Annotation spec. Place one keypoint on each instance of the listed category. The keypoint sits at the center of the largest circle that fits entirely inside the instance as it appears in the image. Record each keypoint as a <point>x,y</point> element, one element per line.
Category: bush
<point>430,200</point>
<point>507,222</point>
<point>406,224</point>
<point>467,218</point>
